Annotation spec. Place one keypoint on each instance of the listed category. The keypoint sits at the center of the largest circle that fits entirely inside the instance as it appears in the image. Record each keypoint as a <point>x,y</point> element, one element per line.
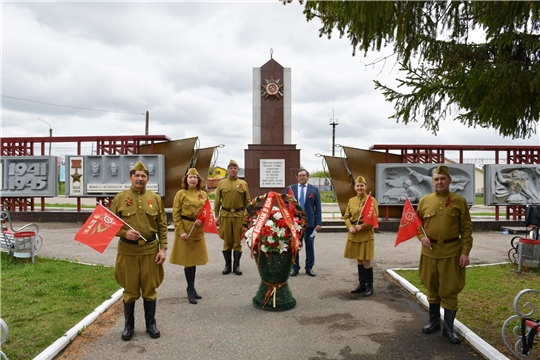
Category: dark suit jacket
<point>312,204</point>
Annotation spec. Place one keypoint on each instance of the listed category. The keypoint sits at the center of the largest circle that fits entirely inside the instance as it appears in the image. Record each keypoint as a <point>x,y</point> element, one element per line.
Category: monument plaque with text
<point>272,173</point>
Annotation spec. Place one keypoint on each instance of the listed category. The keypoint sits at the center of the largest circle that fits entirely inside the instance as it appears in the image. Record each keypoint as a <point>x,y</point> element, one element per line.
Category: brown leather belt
<point>233,210</point>
<point>149,240</point>
<point>188,218</point>
<point>445,241</point>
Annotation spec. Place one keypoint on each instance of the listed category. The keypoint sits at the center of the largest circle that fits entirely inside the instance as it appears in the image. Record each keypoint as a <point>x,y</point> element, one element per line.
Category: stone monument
<point>271,161</point>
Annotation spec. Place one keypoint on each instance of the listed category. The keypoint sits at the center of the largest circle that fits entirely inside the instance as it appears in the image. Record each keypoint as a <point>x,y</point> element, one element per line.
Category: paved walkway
<point>327,323</point>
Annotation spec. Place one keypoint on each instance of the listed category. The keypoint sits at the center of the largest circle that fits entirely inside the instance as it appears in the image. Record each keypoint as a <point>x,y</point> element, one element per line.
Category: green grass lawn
<point>41,301</point>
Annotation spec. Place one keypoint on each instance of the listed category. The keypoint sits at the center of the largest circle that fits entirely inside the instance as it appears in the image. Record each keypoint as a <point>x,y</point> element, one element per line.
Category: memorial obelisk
<point>271,161</point>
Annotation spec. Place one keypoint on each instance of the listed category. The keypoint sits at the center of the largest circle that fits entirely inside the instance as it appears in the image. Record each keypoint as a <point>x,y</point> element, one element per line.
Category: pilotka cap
<point>139,166</point>
<point>360,179</point>
<point>442,170</point>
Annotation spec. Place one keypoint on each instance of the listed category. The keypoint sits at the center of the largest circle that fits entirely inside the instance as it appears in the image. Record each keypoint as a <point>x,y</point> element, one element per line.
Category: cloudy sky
<point>94,69</point>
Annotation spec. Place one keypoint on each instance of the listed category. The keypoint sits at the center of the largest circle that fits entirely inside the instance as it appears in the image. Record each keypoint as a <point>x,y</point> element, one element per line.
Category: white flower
<point>270,223</point>
<point>282,246</point>
<point>277,215</point>
<point>265,248</point>
<point>249,233</point>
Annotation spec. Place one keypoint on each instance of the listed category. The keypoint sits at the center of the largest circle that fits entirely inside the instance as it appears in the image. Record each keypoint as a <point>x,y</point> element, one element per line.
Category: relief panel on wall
<point>512,184</point>
<point>29,176</point>
<point>395,182</point>
<point>107,175</point>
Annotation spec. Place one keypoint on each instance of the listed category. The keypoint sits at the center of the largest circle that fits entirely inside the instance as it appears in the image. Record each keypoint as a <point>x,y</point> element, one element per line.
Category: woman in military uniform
<point>189,249</point>
<point>360,238</point>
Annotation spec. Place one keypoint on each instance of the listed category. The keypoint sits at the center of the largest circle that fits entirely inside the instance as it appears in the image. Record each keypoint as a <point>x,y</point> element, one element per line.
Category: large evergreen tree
<point>491,80</point>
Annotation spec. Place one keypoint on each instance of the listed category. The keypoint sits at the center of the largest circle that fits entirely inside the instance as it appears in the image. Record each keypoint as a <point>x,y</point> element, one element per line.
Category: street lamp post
<point>50,134</point>
<point>333,122</point>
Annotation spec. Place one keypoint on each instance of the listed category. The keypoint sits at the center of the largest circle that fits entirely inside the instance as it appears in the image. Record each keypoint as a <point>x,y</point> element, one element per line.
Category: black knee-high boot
<point>129,316</point>
<point>448,331</point>
<point>369,282</point>
<point>362,281</point>
<point>236,264</point>
<point>150,317</point>
<point>434,319</point>
<point>197,296</point>
<point>188,272</point>
<point>227,256</point>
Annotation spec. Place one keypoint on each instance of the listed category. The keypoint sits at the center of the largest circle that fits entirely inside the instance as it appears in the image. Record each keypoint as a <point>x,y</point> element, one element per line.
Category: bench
<point>19,243</point>
<point>524,326</point>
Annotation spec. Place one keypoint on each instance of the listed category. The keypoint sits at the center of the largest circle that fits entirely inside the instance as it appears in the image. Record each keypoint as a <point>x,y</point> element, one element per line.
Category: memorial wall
<point>107,175</point>
<point>29,176</point>
<point>512,184</point>
<point>395,182</point>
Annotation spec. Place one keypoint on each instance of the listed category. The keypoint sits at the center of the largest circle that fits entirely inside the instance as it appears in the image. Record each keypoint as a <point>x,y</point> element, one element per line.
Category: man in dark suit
<point>309,198</point>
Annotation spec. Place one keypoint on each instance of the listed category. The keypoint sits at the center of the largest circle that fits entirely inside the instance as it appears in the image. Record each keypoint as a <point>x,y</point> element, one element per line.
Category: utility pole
<point>147,124</point>
<point>50,134</point>
<point>333,122</point>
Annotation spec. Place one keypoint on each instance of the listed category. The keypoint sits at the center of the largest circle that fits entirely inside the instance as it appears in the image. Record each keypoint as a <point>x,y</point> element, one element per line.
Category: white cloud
<point>190,64</point>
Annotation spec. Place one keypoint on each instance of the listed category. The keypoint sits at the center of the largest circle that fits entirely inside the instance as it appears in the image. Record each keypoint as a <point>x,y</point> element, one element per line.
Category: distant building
<point>217,173</point>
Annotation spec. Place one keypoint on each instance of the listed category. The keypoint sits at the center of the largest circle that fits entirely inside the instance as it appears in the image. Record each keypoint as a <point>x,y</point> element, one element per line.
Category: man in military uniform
<point>446,244</point>
<point>141,249</point>
<point>232,197</point>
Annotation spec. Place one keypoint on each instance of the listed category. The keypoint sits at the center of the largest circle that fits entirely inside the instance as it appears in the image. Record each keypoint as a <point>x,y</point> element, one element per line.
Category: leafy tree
<point>493,82</point>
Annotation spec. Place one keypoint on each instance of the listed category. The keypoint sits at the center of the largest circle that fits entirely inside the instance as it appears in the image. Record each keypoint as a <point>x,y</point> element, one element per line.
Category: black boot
<point>448,331</point>
<point>188,271</point>
<point>236,264</point>
<point>150,317</point>
<point>369,282</point>
<point>227,256</point>
<point>197,296</point>
<point>362,279</point>
<point>129,327</point>
<point>434,319</point>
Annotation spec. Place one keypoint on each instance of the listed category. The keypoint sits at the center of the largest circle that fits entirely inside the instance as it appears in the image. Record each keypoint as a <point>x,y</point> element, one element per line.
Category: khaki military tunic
<point>136,270</point>
<point>187,206</point>
<point>232,197</point>
<point>445,217</point>
<point>360,245</point>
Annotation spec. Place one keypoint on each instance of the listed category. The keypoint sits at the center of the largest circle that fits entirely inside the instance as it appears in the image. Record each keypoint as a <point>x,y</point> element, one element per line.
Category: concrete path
<point>328,322</point>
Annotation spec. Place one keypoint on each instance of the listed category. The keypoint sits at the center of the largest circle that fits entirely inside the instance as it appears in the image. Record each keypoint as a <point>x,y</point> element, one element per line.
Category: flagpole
<point>125,223</point>
<point>424,231</point>
<point>197,218</point>
<point>362,209</point>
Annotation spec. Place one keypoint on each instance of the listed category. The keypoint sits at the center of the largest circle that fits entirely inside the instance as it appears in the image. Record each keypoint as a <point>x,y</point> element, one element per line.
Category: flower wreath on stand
<point>274,235</point>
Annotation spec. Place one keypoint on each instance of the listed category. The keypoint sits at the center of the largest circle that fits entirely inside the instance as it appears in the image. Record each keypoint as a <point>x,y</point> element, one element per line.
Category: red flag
<point>291,205</point>
<point>369,215</point>
<point>409,224</point>
<point>100,228</point>
<point>207,216</point>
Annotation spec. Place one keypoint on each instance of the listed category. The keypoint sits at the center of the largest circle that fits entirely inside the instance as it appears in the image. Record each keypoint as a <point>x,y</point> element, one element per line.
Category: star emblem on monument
<point>76,176</point>
<point>272,88</point>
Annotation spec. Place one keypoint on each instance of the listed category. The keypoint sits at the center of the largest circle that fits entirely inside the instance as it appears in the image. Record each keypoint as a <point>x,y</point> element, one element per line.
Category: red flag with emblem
<point>369,215</point>
<point>207,216</point>
<point>100,228</point>
<point>409,224</point>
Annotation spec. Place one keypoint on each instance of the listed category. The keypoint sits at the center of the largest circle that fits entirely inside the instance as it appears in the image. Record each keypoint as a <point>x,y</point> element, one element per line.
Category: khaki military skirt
<point>364,250</point>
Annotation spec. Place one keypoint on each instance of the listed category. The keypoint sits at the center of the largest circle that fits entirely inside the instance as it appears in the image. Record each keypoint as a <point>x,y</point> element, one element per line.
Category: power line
<point>72,107</point>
